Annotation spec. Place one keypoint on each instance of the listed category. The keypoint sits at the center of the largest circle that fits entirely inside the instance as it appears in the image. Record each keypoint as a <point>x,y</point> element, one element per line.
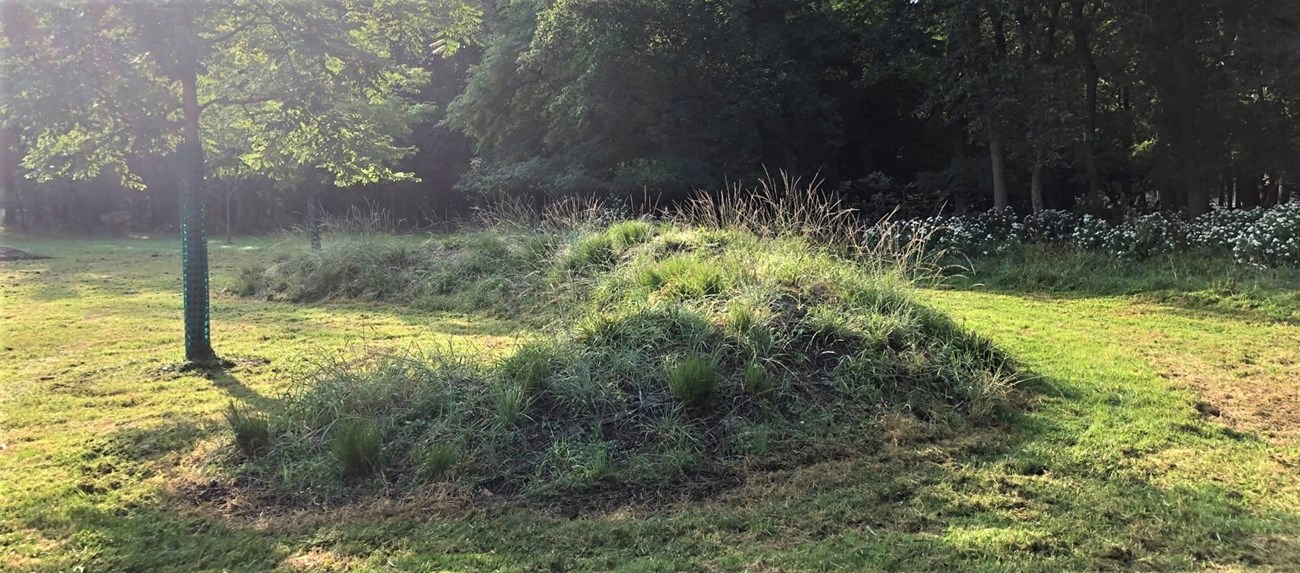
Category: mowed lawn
<point>1153,436</point>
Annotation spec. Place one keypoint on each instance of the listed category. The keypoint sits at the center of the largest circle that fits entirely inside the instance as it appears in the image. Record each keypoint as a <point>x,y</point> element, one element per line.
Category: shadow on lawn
<point>997,497</point>
<point>228,382</point>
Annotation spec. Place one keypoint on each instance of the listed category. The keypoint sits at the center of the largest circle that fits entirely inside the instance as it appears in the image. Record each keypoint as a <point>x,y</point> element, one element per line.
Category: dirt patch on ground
<point>1263,398</point>
<point>12,254</point>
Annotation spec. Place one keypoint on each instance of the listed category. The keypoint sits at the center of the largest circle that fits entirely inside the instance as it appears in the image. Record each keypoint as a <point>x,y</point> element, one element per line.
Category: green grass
<point>693,380</point>
<point>1116,460</point>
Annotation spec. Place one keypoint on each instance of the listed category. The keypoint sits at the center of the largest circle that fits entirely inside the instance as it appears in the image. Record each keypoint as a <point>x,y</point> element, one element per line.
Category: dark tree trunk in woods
<point>8,183</point>
<point>1248,192</point>
<point>1091,77</point>
<point>959,199</point>
<point>1198,197</point>
<point>11,27</point>
<point>1269,191</point>
<point>1000,197</point>
<point>1036,187</point>
<point>194,239</point>
<point>1283,192</point>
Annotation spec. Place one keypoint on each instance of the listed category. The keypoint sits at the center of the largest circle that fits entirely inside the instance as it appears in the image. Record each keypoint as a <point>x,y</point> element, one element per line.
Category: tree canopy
<point>1102,105</point>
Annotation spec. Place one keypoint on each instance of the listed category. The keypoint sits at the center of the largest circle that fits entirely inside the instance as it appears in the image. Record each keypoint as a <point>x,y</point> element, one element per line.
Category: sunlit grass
<point>1117,462</point>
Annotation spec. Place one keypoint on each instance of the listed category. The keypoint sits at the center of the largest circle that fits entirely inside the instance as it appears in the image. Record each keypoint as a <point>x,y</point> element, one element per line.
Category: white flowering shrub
<point>1146,236</point>
<point>1263,237</point>
<point>1092,233</point>
<point>1050,227</point>
<point>981,234</point>
<point>1273,240</point>
<point>1220,229</point>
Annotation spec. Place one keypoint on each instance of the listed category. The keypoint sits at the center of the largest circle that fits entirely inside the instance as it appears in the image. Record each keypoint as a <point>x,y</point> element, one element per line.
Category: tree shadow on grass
<point>227,381</point>
<point>990,499</point>
<point>1056,485</point>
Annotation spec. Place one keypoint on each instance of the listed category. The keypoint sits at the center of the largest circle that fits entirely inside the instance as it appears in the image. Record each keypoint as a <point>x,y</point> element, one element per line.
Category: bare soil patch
<point>1248,398</point>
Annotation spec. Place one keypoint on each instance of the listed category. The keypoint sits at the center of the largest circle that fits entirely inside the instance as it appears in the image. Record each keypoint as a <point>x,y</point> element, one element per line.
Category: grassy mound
<point>686,356</point>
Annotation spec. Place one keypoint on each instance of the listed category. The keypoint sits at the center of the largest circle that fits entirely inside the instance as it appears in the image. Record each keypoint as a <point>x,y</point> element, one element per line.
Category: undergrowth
<point>463,272</point>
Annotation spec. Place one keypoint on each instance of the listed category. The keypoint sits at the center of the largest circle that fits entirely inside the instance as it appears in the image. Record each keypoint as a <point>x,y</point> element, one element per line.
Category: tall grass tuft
<point>511,401</point>
<point>776,206</point>
<point>758,381</point>
<point>694,380</point>
<point>252,429</point>
<point>438,460</point>
<point>356,445</point>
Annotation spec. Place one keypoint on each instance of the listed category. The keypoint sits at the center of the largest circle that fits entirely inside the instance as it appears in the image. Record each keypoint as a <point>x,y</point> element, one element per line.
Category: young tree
<point>315,85</point>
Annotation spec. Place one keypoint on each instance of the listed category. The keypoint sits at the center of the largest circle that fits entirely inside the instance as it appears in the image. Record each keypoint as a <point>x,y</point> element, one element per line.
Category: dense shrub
<point>1272,240</point>
<point>1263,237</point>
<point>1146,236</point>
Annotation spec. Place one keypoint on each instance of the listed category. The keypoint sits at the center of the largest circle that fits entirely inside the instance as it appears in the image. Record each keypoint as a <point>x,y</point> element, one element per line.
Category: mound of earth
<point>685,359</point>
<point>12,254</point>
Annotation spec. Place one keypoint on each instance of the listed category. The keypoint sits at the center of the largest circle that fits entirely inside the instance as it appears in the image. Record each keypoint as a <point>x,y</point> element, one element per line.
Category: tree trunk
<point>194,239</point>
<point>1269,190</point>
<point>8,186</point>
<point>1198,197</point>
<point>1092,76</point>
<point>230,200</point>
<point>960,201</point>
<point>1036,187</point>
<point>1000,198</point>
<point>1248,192</point>
<point>12,28</point>
<point>313,220</point>
<point>1283,192</point>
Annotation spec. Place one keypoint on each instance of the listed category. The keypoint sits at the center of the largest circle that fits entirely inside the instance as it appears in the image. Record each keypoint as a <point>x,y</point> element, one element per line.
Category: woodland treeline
<point>425,108</point>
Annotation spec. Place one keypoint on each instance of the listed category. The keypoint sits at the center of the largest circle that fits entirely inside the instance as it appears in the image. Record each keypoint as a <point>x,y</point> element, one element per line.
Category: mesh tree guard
<point>194,258</point>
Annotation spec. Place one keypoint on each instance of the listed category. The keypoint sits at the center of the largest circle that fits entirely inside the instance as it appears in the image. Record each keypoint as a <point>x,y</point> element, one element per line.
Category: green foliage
<point>693,379</point>
<point>659,111</point>
<point>287,94</point>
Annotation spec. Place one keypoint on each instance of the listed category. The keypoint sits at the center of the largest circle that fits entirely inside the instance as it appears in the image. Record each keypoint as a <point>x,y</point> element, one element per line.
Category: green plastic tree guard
<point>194,262</point>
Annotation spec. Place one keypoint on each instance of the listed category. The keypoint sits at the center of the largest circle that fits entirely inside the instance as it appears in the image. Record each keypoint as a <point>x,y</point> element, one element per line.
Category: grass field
<point>1160,431</point>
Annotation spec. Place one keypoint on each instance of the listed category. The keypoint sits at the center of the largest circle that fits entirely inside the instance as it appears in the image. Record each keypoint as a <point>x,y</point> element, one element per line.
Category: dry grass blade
<point>774,206</point>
